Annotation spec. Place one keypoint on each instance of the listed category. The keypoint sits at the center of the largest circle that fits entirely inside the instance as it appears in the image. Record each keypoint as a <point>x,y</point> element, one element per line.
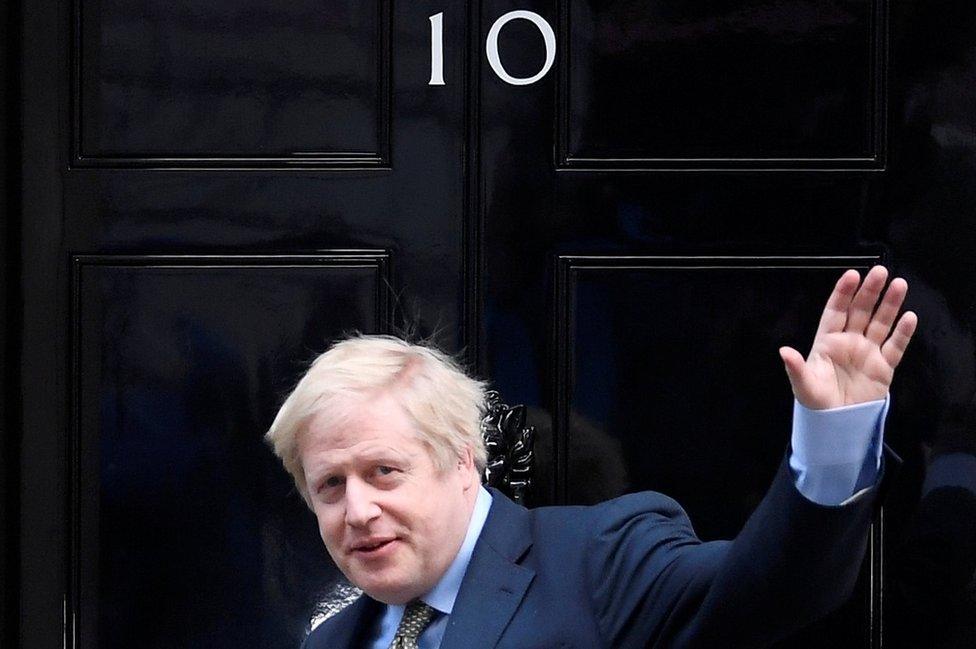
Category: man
<point>383,441</point>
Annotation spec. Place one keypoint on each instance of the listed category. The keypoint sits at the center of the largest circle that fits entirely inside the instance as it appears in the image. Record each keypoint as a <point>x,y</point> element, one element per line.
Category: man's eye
<point>385,470</point>
<point>331,482</point>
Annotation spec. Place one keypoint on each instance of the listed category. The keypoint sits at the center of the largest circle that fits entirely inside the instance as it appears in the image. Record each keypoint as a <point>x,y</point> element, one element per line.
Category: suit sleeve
<point>654,583</point>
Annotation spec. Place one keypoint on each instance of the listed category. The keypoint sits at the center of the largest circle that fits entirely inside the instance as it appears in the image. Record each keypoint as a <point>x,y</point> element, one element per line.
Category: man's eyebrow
<point>371,454</point>
<point>319,470</point>
<point>384,452</point>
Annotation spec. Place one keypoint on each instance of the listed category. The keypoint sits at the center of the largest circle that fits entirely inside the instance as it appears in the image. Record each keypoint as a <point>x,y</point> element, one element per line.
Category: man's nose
<point>361,505</point>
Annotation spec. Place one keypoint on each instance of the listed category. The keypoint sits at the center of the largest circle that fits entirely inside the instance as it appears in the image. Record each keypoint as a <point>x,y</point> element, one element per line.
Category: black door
<point>615,211</point>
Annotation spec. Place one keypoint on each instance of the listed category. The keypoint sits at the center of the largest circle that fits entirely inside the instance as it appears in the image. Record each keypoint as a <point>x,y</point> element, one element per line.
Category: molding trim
<point>339,160</point>
<point>878,133</point>
<point>77,500</point>
<point>567,269</point>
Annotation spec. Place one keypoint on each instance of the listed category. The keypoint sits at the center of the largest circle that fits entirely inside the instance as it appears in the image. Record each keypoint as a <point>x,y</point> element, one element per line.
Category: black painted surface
<point>11,322</point>
<point>676,403</point>
<point>233,80</point>
<point>723,81</point>
<point>756,146</point>
<point>188,533</point>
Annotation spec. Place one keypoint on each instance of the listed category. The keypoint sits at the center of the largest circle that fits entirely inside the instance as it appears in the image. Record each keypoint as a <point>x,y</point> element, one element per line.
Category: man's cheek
<point>330,537</point>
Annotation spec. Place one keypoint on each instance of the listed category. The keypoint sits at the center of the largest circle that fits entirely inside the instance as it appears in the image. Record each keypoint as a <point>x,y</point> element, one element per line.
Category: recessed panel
<point>189,532</point>
<point>253,80</point>
<point>722,83</point>
<point>671,381</point>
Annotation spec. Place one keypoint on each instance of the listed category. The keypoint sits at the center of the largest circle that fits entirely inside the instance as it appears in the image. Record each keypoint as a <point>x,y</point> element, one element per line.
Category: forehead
<point>375,423</point>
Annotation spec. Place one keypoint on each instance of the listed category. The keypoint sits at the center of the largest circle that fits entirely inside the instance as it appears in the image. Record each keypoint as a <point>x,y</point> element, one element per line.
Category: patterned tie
<point>415,619</point>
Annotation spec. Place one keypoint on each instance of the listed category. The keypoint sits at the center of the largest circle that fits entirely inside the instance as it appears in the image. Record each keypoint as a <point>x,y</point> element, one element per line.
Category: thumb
<point>795,367</point>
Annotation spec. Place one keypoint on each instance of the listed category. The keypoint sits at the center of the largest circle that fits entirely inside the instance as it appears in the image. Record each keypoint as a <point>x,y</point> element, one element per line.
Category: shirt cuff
<point>836,452</point>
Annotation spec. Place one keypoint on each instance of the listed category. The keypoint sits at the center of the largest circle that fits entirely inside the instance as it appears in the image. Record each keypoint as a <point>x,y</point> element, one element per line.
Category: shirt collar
<point>441,597</point>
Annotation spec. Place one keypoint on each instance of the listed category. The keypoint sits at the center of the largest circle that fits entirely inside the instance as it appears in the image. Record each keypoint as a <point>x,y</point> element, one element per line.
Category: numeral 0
<point>491,51</point>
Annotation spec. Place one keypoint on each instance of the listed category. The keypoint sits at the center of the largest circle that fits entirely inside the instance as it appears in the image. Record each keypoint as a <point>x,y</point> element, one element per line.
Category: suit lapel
<point>494,583</point>
<point>349,628</point>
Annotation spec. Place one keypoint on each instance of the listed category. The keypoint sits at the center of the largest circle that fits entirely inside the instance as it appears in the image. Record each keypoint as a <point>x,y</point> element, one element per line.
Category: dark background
<point>199,197</point>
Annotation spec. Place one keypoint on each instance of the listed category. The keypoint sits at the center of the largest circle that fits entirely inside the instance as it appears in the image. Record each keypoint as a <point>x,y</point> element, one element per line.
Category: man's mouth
<point>372,547</point>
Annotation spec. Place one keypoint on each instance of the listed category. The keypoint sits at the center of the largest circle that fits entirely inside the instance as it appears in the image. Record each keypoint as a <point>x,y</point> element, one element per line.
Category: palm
<point>858,344</point>
<point>847,368</point>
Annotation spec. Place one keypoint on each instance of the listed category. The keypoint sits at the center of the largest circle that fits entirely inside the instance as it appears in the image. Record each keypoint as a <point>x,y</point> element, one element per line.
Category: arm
<point>858,344</point>
<point>656,584</point>
<point>795,559</point>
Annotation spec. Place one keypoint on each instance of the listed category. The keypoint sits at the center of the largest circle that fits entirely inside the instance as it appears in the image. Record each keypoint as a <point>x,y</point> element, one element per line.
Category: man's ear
<point>465,463</point>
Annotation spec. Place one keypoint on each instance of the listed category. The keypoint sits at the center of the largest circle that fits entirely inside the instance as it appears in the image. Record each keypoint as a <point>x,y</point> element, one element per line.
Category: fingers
<point>880,325</point>
<point>795,368</point>
<point>862,306</point>
<point>894,347</point>
<point>834,316</point>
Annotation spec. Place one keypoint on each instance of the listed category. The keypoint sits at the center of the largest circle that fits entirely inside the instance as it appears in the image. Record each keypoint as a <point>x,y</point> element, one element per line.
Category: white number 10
<point>437,47</point>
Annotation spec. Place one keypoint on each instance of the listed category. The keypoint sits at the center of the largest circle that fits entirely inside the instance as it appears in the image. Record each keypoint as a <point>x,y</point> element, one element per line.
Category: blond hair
<point>445,405</point>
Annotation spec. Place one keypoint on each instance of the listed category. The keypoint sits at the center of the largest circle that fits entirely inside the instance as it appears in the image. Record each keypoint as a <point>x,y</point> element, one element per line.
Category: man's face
<point>390,518</point>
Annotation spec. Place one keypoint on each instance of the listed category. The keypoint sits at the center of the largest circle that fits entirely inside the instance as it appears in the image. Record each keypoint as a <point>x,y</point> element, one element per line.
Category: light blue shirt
<point>441,597</point>
<point>835,455</point>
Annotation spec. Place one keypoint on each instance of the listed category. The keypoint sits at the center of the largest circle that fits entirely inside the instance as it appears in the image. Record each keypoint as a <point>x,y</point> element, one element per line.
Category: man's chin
<point>388,585</point>
<point>393,594</point>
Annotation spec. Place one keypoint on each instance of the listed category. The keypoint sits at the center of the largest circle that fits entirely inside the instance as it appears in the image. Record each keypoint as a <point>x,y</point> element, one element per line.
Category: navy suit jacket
<point>630,572</point>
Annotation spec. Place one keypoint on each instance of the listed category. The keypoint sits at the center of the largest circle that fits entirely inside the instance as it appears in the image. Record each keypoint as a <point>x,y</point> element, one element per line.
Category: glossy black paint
<point>11,322</point>
<point>730,85</point>
<point>249,84</point>
<point>712,398</point>
<point>172,491</point>
<point>211,193</point>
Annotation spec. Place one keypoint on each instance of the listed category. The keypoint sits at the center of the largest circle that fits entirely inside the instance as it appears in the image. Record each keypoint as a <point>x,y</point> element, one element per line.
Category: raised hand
<point>858,343</point>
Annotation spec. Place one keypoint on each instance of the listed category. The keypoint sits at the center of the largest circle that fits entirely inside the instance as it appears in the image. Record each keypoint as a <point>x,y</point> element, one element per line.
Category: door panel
<point>728,84</point>
<point>669,381</point>
<point>667,369</point>
<point>187,532</point>
<point>231,82</point>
